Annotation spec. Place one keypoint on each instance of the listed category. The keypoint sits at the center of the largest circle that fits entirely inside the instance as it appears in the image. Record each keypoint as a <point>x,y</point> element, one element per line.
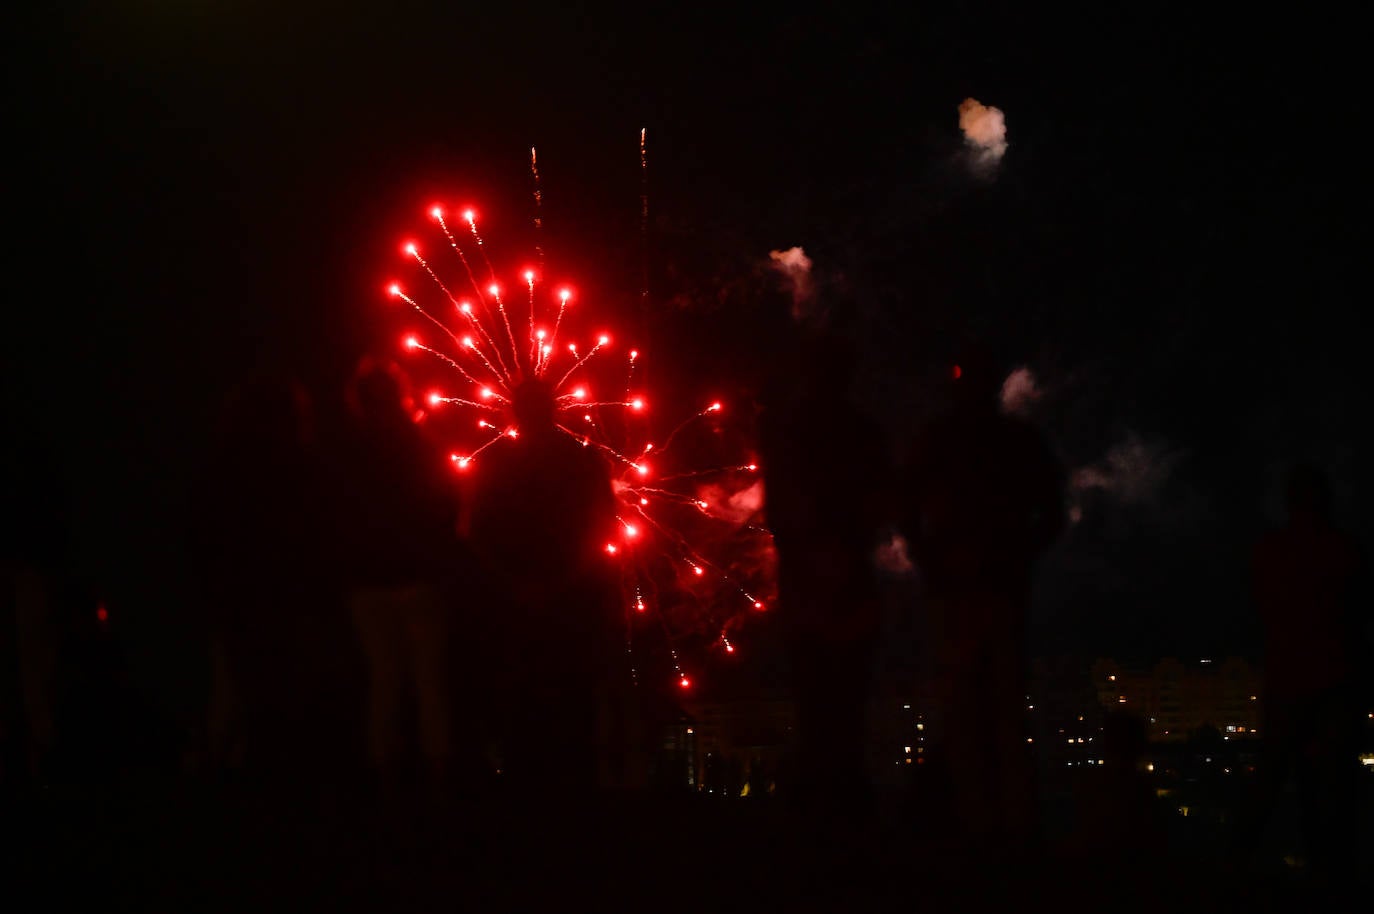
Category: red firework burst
<point>694,565</point>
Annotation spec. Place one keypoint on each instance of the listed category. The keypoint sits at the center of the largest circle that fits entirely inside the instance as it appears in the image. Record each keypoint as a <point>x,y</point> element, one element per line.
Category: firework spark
<point>689,590</point>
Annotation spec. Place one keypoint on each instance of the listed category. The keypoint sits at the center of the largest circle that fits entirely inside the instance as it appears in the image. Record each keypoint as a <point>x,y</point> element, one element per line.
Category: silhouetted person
<point>1307,577</point>
<point>981,498</point>
<point>824,470</point>
<point>1117,819</point>
<point>541,513</point>
<point>257,524</point>
<point>402,553</point>
<point>34,561</point>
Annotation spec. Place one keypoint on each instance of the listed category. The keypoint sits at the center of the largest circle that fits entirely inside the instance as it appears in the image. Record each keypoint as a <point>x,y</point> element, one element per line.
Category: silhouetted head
<point>379,392</point>
<point>268,411</point>
<point>1307,493</point>
<point>975,377</point>
<point>535,407</point>
<point>1124,736</point>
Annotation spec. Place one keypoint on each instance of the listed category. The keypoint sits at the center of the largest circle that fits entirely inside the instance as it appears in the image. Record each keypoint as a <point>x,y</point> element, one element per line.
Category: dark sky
<point>202,190</point>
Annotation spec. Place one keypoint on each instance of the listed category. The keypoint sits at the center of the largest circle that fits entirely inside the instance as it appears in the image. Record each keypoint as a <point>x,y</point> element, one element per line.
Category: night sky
<point>199,191</point>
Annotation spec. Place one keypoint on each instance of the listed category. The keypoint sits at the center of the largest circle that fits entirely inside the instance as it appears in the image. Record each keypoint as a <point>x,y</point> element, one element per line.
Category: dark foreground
<point>333,849</point>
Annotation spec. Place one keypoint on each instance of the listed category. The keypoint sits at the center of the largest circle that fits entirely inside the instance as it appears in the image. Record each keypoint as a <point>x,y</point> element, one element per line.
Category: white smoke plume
<point>985,131</point>
<point>736,507</point>
<point>1020,392</point>
<point>1132,472</point>
<point>796,266</point>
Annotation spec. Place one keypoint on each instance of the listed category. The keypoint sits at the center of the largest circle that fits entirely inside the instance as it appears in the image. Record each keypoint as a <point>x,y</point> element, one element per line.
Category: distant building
<point>899,729</point>
<point>675,765</point>
<point>740,747</point>
<point>1178,698</point>
<point>1064,720</point>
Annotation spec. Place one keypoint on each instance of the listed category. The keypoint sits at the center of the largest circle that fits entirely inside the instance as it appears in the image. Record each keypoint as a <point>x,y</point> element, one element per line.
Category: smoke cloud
<point>985,131</point>
<point>1132,472</point>
<point>796,267</point>
<point>893,556</point>
<point>1020,392</point>
<point>737,507</point>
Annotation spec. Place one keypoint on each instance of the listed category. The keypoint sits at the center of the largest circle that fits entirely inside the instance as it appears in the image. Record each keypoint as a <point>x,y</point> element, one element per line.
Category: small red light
<point>684,682</point>
<point>956,372</point>
<point>102,614</point>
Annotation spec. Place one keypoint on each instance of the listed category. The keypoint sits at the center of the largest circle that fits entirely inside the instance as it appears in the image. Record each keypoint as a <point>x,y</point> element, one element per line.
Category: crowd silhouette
<point>825,533</point>
<point>981,497</point>
<point>382,626</point>
<point>257,516</point>
<point>538,519</point>
<point>1311,593</point>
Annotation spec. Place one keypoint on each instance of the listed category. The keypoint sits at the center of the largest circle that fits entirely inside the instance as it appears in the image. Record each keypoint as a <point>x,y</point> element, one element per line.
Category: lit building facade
<point>740,747</point>
<point>1179,697</point>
